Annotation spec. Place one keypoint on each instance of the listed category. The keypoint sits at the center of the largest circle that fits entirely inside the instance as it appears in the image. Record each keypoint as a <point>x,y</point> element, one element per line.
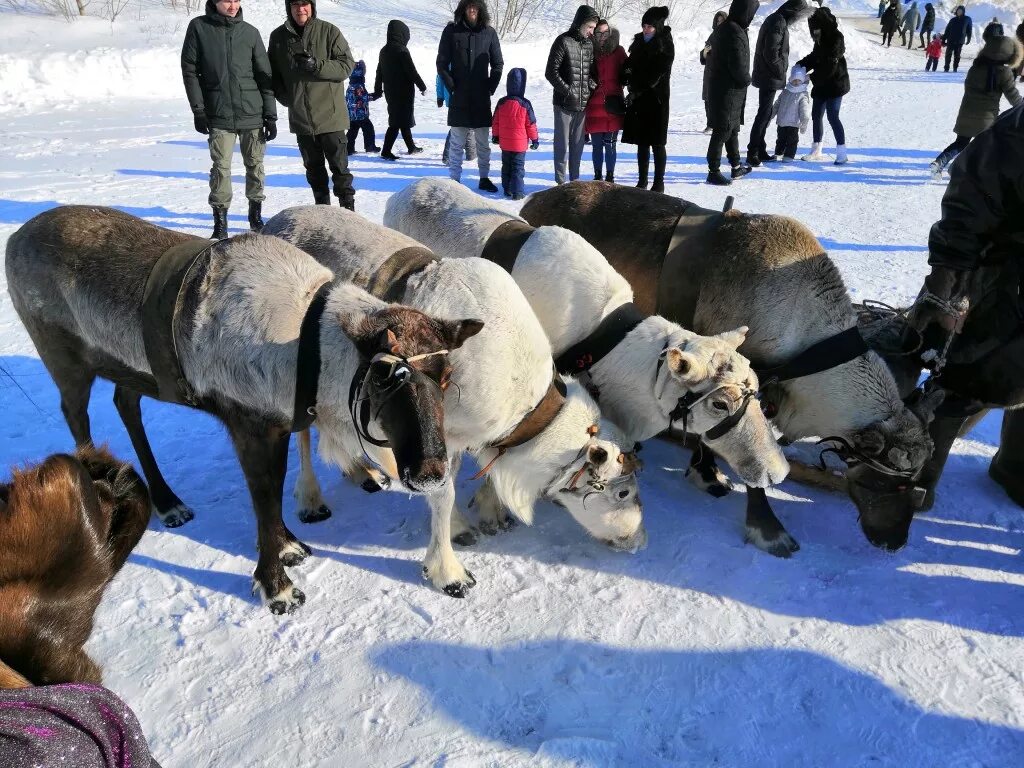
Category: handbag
<point>614,104</point>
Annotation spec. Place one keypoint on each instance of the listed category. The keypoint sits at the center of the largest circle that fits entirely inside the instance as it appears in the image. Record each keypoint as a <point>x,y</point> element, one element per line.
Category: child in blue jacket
<point>358,100</point>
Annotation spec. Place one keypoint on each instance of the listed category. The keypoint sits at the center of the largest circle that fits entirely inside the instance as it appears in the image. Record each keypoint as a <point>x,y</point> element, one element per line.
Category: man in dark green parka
<point>310,60</point>
<point>228,82</point>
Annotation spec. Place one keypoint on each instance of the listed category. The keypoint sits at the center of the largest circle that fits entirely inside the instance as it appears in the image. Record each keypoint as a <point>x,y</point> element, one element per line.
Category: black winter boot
<point>715,177</point>
<point>348,202</point>
<point>642,164</point>
<point>220,223</point>
<point>255,215</point>
<point>1007,467</point>
<point>739,171</point>
<point>322,198</point>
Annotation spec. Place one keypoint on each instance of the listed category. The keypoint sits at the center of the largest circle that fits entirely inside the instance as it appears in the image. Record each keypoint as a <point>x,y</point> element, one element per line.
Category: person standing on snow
<point>570,70</point>
<point>932,52</point>
<point>727,91</point>
<point>771,67</point>
<point>358,99</point>
<point>705,58</point>
<point>228,83</point>
<point>890,20</point>
<point>604,125</point>
<point>443,98</point>
<point>397,78</point>
<point>988,80</point>
<point>831,81</point>
<point>957,32</point>
<point>911,21</point>
<point>793,113</point>
<point>927,25</point>
<point>469,63</point>
<point>311,60</point>
<point>514,128</point>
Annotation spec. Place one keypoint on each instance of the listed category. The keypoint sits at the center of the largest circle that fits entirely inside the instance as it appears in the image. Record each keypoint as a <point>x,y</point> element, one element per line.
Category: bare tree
<point>66,9</point>
<point>511,18</point>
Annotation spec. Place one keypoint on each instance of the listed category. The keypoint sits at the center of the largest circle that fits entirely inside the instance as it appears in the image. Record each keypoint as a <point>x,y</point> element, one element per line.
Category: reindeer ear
<point>597,455</point>
<point>459,331</point>
<point>871,441</point>
<point>685,366</point>
<point>735,337</point>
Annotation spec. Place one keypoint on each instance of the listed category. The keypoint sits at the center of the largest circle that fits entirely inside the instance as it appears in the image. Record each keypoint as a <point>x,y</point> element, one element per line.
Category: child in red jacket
<point>933,51</point>
<point>514,126</point>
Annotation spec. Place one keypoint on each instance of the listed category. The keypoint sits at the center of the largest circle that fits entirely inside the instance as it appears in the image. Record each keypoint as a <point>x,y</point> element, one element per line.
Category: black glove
<point>199,120</point>
<point>943,289</point>
<point>423,91</point>
<point>534,144</point>
<point>269,128</point>
<point>494,140</point>
<point>306,62</point>
<point>440,103</point>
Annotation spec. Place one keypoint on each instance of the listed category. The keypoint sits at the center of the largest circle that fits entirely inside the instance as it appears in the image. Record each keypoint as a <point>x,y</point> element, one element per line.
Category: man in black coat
<point>976,252</point>
<point>570,70</point>
<point>771,71</point>
<point>957,32</point>
<point>727,89</point>
<point>469,63</point>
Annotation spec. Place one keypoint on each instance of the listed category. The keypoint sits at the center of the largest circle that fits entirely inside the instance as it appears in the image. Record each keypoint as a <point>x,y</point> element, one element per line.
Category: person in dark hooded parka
<point>648,73</point>
<point>830,78</point>
<point>705,58</point>
<point>927,25</point>
<point>957,32</point>
<point>397,78</point>
<point>469,63</point>
<point>727,89</point>
<point>890,21</point>
<point>771,70</point>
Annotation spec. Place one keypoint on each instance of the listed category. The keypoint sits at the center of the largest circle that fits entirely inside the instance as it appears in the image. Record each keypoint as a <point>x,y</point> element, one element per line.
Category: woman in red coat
<point>604,125</point>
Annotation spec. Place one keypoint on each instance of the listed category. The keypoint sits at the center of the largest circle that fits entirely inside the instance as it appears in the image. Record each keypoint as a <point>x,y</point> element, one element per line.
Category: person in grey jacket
<point>911,21</point>
<point>570,70</point>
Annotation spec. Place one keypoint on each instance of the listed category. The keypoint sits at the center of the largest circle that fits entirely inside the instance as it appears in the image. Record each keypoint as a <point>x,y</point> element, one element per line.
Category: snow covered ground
<point>697,651</point>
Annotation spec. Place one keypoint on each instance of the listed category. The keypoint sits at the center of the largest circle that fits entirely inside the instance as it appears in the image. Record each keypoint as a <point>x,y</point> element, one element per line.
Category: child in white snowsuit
<point>792,112</point>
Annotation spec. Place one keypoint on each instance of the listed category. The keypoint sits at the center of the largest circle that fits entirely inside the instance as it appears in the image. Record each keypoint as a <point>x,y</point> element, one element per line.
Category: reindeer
<point>534,436</point>
<point>253,331</point>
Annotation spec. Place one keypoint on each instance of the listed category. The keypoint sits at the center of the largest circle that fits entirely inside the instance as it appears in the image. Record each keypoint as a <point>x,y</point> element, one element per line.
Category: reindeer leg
<point>311,507</point>
<point>263,453</point>
<point>764,530</point>
<point>169,508</point>
<point>491,513</point>
<point>463,533</point>
<point>705,474</point>
<point>440,566</point>
<point>74,378</point>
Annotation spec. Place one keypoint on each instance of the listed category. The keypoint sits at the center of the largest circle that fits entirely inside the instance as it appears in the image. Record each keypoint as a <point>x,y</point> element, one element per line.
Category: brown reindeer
<point>67,526</point>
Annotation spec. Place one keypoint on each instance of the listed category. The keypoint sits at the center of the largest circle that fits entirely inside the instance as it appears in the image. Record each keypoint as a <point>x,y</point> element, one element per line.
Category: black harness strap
<point>609,333</point>
<point>389,281</point>
<point>504,244</point>
<point>826,354</point>
<point>307,376</point>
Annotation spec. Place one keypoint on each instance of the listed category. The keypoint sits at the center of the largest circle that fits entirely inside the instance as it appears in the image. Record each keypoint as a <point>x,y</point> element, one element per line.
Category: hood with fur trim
<point>483,20</point>
<point>609,45</point>
<point>1002,50</point>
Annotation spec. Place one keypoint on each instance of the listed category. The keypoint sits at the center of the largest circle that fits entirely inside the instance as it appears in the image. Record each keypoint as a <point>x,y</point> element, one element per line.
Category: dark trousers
<point>818,109</point>
<point>887,38</point>
<point>757,145</point>
<point>787,141</point>
<point>329,147</point>
<point>953,52</point>
<point>947,155</point>
<point>707,113</point>
<point>604,151</point>
<point>513,172</point>
<point>643,162</point>
<point>730,139</point>
<point>926,36</point>
<point>369,135</point>
<point>932,65</point>
<point>391,134</point>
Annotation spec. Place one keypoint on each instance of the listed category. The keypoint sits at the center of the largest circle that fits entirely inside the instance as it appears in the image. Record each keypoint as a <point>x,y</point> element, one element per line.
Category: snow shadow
<point>571,702</point>
<point>835,245</point>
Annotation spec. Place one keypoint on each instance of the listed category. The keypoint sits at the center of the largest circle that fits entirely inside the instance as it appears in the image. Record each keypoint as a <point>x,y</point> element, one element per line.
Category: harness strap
<point>307,375</point>
<point>533,423</point>
<point>505,242</point>
<point>161,303</point>
<point>609,333</point>
<point>692,244</point>
<point>389,281</point>
<point>826,354</point>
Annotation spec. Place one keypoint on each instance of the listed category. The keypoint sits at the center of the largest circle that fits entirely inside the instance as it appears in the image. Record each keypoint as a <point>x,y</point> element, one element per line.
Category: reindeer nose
<point>430,475</point>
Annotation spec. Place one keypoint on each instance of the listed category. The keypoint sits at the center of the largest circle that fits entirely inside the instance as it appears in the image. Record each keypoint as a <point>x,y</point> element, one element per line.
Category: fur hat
<point>656,16</point>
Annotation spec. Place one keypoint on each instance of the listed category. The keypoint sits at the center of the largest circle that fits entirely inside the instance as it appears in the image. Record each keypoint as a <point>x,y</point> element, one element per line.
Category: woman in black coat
<point>648,73</point>
<point>890,21</point>
<point>727,89</point>
<point>830,79</point>
<point>705,57</point>
<point>398,75</point>
<point>927,25</point>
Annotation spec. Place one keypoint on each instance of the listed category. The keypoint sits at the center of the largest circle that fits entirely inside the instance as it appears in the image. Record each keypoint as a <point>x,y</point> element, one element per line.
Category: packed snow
<point>696,651</point>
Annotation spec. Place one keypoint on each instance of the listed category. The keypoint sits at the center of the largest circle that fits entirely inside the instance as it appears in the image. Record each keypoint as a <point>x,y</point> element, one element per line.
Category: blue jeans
<point>513,171</point>
<point>604,151</point>
<point>831,106</point>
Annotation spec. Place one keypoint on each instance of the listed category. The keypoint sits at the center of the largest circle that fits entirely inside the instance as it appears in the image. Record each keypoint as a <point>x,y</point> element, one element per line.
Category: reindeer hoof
<point>294,553</point>
<point>460,589</point>
<point>488,528</point>
<point>317,515</point>
<point>711,480</point>
<point>465,539</point>
<point>176,516</point>
<point>287,601</point>
<point>506,522</point>
<point>778,544</point>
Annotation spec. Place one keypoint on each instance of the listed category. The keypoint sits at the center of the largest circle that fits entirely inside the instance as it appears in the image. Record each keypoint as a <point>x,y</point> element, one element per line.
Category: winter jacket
<point>705,58</point>
<point>827,60</point>
<point>988,80</point>
<point>911,19</point>
<point>793,107</point>
<point>609,69</point>
<point>469,63</point>
<point>730,67</point>
<point>934,49</point>
<point>890,19</point>
<point>928,24</point>
<point>958,29</point>
<point>397,76</point>
<point>316,102</point>
<point>514,124</point>
<point>648,72</point>
<point>226,71</point>
<point>570,68</point>
<point>992,29</point>
<point>356,96</point>
<point>771,53</point>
